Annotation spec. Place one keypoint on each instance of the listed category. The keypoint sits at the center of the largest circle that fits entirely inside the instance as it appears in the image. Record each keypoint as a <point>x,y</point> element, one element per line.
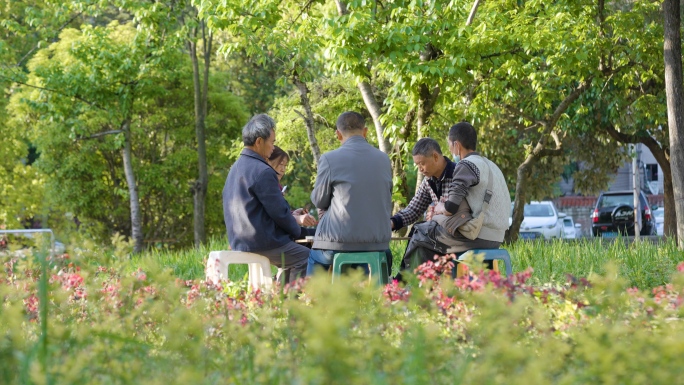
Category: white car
<point>541,220</point>
<point>571,230</point>
<point>659,215</point>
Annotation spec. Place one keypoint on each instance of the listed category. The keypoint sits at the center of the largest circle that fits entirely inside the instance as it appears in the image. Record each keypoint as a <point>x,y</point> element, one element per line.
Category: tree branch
<point>21,61</point>
<point>92,104</point>
<point>300,114</point>
<point>100,134</point>
<point>495,54</point>
<point>306,6</point>
<point>473,11</point>
<point>515,112</point>
<point>550,152</point>
<point>563,106</point>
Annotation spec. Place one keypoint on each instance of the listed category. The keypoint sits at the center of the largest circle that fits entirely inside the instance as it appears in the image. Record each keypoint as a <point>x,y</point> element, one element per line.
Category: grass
<point>644,265</point>
<point>189,263</point>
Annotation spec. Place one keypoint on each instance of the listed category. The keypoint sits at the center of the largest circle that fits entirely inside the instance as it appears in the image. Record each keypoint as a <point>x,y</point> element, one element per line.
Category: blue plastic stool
<point>377,262</point>
<point>493,255</point>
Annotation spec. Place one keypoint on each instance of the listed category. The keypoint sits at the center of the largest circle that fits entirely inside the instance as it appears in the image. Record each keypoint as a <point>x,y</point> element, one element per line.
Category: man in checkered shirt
<point>438,171</point>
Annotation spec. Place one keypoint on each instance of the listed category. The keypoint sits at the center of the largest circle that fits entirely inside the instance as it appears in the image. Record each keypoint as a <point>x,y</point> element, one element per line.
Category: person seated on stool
<point>279,160</point>
<point>257,217</point>
<point>453,187</point>
<point>354,188</point>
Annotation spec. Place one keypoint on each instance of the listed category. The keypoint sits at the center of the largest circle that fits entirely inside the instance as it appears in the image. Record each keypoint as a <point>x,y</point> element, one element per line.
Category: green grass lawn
<point>644,265</point>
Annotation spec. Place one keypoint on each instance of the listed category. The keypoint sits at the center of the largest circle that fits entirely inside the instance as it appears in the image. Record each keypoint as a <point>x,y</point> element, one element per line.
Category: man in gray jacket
<point>257,217</point>
<point>354,188</point>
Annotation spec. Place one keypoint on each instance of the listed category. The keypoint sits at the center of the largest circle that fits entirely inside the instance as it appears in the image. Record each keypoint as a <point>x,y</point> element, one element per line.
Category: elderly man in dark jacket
<point>258,219</point>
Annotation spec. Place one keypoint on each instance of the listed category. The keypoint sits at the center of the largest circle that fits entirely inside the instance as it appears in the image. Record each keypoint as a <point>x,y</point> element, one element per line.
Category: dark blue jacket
<point>256,214</point>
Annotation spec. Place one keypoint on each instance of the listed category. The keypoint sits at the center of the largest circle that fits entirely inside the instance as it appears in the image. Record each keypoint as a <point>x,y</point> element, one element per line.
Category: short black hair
<point>465,134</point>
<point>350,121</point>
<point>426,147</point>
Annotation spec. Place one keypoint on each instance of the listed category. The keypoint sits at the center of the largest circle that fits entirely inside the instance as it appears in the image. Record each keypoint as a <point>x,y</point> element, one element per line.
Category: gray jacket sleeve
<point>322,192</point>
<point>268,193</point>
<point>465,177</point>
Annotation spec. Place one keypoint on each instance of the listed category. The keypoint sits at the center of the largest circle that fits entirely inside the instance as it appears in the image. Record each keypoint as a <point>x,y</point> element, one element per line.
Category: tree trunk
<point>375,111</point>
<point>675,107</point>
<point>426,106</point>
<point>524,170</point>
<point>398,173</point>
<point>670,219</point>
<point>661,155</point>
<point>341,7</point>
<point>201,90</point>
<point>308,117</point>
<point>473,11</point>
<point>136,223</point>
<point>369,99</point>
<point>519,202</point>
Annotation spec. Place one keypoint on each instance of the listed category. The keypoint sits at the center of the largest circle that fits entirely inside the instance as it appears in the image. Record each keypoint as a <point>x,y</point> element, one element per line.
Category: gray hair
<point>260,126</point>
<point>426,147</point>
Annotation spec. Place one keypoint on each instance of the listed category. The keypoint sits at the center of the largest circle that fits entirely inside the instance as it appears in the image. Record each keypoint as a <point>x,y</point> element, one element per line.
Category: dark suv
<point>614,213</point>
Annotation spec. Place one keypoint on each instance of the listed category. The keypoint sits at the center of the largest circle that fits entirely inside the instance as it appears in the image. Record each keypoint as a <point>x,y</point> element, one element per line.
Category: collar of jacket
<point>253,154</point>
<point>355,139</point>
<point>472,153</point>
<point>448,170</point>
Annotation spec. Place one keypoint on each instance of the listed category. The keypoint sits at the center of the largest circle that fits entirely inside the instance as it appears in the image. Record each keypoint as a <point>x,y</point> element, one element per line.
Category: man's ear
<point>436,156</point>
<point>339,135</point>
<point>365,131</point>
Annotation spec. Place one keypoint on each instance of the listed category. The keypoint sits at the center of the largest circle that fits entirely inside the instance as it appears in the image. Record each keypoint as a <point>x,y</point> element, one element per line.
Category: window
<point>616,200</point>
<point>538,210</point>
<point>651,172</point>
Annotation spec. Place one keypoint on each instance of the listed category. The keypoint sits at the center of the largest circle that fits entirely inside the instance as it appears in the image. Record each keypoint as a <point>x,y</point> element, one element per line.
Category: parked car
<point>659,215</point>
<point>541,220</point>
<point>571,230</point>
<point>614,214</point>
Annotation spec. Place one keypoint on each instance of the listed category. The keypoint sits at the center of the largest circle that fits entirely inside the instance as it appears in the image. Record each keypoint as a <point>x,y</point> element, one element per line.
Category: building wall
<point>622,180</point>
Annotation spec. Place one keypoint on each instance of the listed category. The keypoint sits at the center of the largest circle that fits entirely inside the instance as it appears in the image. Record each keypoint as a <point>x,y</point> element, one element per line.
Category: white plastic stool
<point>259,267</point>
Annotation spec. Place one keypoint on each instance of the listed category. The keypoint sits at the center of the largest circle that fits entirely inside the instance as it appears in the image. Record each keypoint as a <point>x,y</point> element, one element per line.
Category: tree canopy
<point>103,92</point>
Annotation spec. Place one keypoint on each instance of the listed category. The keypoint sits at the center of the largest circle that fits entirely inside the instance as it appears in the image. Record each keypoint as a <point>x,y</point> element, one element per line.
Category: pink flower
<point>395,293</point>
<point>72,281</point>
<point>680,267</point>
<point>31,304</point>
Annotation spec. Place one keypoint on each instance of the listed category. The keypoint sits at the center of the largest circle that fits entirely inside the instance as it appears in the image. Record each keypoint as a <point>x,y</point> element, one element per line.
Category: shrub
<point>108,323</point>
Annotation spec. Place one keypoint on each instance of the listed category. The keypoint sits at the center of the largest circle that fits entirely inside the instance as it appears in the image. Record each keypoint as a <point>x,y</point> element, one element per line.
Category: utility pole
<point>635,191</point>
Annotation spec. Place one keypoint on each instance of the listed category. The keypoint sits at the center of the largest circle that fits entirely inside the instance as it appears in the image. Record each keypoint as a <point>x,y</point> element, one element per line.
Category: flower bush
<point>107,324</point>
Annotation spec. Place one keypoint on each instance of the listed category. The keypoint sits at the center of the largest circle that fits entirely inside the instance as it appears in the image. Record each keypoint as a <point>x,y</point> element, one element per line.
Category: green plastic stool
<point>376,260</point>
<point>493,255</point>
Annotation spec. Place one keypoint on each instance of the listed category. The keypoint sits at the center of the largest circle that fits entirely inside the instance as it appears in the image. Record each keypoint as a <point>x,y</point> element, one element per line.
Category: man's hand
<point>430,212</point>
<point>306,220</point>
<point>439,209</point>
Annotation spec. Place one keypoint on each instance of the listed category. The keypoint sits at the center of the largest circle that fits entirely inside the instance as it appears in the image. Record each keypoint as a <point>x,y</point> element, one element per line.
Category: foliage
<point>329,98</point>
<point>109,325</point>
<point>85,167</point>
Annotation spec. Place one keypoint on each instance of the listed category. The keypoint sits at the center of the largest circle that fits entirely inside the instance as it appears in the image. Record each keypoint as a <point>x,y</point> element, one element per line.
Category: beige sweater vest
<point>496,218</point>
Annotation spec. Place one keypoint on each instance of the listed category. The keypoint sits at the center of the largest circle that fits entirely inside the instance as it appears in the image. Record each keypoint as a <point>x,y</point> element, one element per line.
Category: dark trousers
<point>292,257</point>
<point>457,245</point>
